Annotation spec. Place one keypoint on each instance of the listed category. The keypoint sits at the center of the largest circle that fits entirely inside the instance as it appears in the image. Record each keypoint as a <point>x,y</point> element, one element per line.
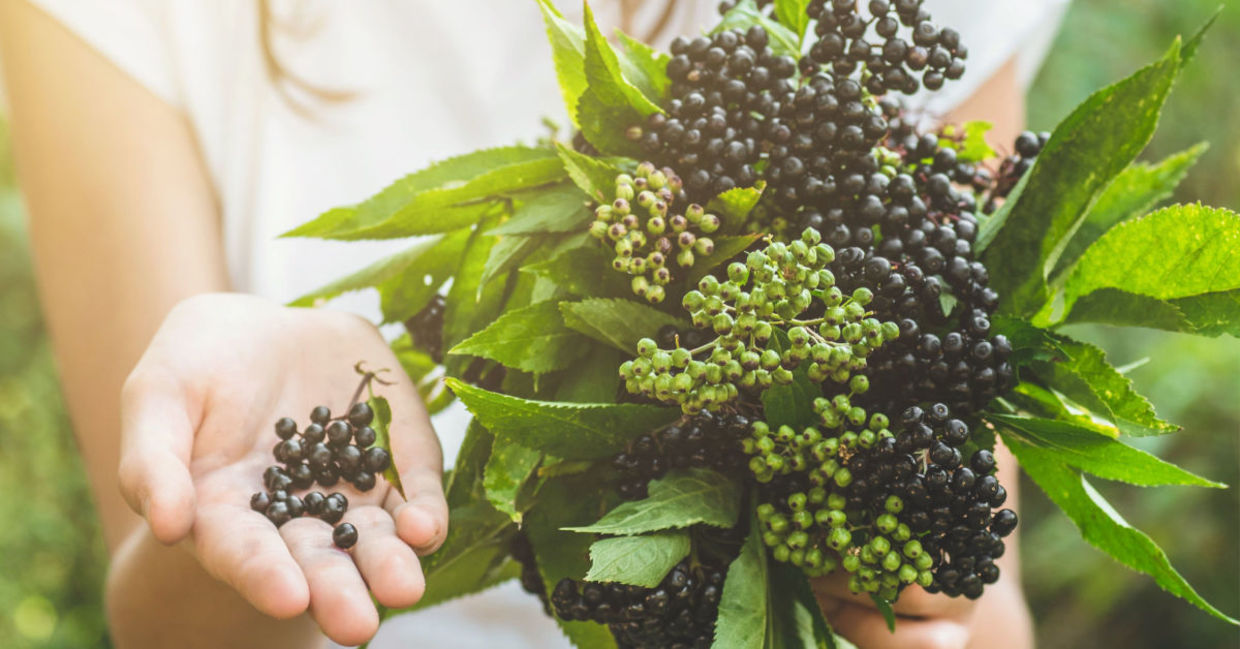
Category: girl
<point>162,147</point>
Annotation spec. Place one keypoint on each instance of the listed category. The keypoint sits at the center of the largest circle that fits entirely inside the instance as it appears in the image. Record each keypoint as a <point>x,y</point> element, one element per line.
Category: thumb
<point>157,438</point>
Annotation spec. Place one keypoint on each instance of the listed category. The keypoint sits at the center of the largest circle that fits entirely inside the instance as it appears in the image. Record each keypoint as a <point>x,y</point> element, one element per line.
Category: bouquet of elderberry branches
<point>751,325</point>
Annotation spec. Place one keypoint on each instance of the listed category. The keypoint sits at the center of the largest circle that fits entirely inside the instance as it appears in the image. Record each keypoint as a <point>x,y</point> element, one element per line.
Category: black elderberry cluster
<point>705,440</point>
<point>729,5</point>
<point>679,613</point>
<point>906,44</point>
<point>726,100</point>
<point>325,452</point>
<point>531,577</point>
<point>1028,146</point>
<point>426,328</point>
<point>891,509</point>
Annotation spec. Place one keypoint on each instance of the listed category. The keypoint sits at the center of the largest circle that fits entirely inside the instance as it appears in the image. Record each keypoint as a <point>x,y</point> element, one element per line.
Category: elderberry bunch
<point>704,440</point>
<point>907,44</point>
<point>1027,147</point>
<point>324,452</point>
<point>426,328</point>
<point>726,95</point>
<point>765,294</point>
<point>679,612</point>
<point>891,509</point>
<point>531,577</point>
<point>647,234</point>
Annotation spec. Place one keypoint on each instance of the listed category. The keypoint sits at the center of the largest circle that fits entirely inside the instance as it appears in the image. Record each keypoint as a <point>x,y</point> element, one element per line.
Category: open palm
<point>198,416</point>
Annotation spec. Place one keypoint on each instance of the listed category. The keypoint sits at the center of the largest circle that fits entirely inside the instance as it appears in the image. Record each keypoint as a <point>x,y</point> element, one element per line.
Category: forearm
<point>123,225</point>
<point>159,596</point>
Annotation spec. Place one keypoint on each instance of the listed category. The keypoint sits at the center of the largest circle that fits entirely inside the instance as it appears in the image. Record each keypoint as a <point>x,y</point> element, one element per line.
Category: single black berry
<point>332,509</point>
<point>278,513</point>
<point>339,433</point>
<point>314,502</point>
<point>344,535</point>
<point>260,501</point>
<point>365,436</point>
<point>286,428</point>
<point>361,414</point>
<point>321,415</point>
<point>376,460</point>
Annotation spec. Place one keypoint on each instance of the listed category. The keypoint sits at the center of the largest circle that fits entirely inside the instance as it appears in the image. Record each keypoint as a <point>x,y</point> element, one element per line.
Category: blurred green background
<point>52,561</point>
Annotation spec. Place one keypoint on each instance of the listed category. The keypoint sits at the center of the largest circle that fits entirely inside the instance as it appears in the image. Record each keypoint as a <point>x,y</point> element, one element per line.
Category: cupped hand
<point>928,621</point>
<point>924,621</point>
<point>198,413</point>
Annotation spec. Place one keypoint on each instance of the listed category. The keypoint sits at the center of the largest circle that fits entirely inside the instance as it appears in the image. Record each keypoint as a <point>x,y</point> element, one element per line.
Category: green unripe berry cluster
<point>812,529</point>
<point>647,235</point>
<point>760,301</point>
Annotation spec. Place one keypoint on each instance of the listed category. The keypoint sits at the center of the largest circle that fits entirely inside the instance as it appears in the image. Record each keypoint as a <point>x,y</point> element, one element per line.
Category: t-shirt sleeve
<point>132,34</point>
<point>995,31</point>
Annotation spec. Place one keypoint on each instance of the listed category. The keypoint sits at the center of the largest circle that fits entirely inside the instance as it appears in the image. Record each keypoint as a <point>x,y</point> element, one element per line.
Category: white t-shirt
<point>430,79</point>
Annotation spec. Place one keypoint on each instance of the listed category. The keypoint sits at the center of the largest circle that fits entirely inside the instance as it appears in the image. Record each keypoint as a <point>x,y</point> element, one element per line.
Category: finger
<point>865,627</point>
<point>387,563</point>
<point>157,438</point>
<point>339,599</point>
<point>243,549</point>
<point>422,521</point>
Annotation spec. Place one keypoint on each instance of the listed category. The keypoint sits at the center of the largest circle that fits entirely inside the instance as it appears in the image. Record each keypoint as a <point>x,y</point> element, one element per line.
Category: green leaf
<point>531,339</point>
<point>1133,192</point>
<point>594,379</point>
<point>603,73</point>
<point>470,305</point>
<point>1086,377</point>
<point>507,254</point>
<point>645,66</point>
<point>743,608</point>
<point>593,176</point>
<point>477,534</point>
<point>793,14</point>
<point>1178,251</point>
<point>383,439</point>
<point>884,607</point>
<point>1050,404</point>
<point>1120,308</point>
<point>637,560</point>
<point>475,556</point>
<point>403,295</point>
<point>1212,314</point>
<point>619,323</point>
<point>610,103</point>
<point>791,404</point>
<point>725,249</point>
<point>1085,152</point>
<point>973,146</point>
<point>681,498</point>
<point>1100,524</point>
<point>1098,454</point>
<point>735,205</point>
<point>441,188</point>
<point>568,50</point>
<point>571,500</point>
<point>783,42</point>
<point>796,620</point>
<point>555,208</point>
<point>464,483</point>
<point>584,271</point>
<point>582,431</point>
<point>508,469</point>
<point>374,274</point>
